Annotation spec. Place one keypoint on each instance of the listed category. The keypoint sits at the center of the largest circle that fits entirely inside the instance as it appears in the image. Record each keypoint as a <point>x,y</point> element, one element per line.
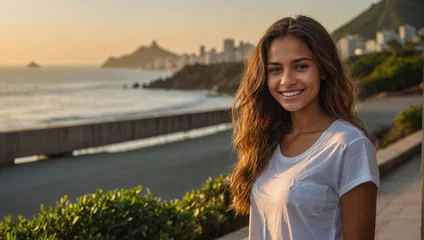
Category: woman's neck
<point>310,119</point>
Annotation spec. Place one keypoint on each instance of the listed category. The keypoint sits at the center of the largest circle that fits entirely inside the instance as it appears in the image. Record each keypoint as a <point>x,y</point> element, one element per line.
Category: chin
<point>294,106</point>
<point>291,108</point>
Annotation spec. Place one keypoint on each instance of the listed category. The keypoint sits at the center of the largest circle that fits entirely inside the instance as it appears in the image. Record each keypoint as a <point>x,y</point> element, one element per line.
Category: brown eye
<point>301,67</point>
<point>274,70</point>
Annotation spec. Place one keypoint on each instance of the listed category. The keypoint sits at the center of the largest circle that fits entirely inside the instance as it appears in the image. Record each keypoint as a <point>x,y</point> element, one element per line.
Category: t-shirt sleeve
<point>359,165</point>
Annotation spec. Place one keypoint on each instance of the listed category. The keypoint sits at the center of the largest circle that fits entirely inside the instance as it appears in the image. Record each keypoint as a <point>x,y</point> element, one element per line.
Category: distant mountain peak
<point>140,58</point>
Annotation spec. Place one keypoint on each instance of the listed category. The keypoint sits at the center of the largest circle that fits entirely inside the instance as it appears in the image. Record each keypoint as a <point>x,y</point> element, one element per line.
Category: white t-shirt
<point>298,198</point>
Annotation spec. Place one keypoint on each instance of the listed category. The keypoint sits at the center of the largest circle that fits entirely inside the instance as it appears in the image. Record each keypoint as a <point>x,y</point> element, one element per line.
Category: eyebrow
<point>294,61</point>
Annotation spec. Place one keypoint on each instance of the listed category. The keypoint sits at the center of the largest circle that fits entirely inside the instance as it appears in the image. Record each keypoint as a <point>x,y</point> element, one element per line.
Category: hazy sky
<point>89,31</point>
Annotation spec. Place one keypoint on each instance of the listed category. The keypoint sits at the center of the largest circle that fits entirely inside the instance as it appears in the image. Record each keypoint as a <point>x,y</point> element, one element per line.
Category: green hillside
<point>386,14</point>
<point>224,76</point>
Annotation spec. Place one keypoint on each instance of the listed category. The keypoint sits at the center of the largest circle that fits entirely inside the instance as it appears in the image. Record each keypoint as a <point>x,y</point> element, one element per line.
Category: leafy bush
<point>362,66</point>
<point>126,214</point>
<point>408,121</point>
<point>394,73</point>
<point>119,214</point>
<point>209,205</point>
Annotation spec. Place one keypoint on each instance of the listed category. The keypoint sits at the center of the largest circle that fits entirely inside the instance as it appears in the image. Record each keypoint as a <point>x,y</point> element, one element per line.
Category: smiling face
<point>293,75</point>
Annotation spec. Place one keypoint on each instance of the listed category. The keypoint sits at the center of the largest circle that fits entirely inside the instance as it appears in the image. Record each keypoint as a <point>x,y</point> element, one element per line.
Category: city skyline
<point>76,32</point>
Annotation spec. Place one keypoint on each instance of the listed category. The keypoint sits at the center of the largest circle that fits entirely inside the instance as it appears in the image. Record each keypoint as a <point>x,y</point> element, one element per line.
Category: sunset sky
<point>88,32</point>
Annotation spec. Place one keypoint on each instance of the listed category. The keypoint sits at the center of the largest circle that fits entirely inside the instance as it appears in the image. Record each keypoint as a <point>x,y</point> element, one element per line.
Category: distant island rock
<point>33,65</point>
<point>142,58</point>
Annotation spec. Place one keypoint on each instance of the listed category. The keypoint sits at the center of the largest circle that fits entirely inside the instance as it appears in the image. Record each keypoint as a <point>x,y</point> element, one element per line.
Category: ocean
<point>61,95</point>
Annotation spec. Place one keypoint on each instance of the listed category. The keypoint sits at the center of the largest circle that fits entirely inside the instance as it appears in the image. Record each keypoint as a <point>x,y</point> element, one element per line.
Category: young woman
<point>306,169</point>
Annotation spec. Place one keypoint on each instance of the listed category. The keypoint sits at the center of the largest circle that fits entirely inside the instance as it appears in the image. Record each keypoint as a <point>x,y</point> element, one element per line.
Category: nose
<point>287,79</point>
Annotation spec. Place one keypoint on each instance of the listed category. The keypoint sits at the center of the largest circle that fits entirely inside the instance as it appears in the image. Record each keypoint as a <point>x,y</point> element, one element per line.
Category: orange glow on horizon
<point>75,33</point>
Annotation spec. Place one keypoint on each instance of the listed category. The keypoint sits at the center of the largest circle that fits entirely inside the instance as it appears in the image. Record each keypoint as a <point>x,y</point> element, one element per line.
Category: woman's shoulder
<point>346,133</point>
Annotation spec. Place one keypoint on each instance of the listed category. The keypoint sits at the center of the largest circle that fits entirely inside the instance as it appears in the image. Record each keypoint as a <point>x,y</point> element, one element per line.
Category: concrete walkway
<point>398,205</point>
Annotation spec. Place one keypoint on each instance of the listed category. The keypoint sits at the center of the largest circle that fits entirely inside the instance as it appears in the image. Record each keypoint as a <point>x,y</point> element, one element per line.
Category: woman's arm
<point>359,212</point>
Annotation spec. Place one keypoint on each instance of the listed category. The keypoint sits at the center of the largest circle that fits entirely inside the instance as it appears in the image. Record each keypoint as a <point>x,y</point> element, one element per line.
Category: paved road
<point>168,170</point>
<point>380,112</point>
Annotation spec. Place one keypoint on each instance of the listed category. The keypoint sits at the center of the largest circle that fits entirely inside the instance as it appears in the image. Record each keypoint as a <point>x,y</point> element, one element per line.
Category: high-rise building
<point>383,37</point>
<point>202,55</point>
<point>229,50</point>
<point>243,51</point>
<point>202,50</point>
<point>211,57</point>
<point>370,46</point>
<point>230,53</point>
<point>407,33</point>
<point>348,44</point>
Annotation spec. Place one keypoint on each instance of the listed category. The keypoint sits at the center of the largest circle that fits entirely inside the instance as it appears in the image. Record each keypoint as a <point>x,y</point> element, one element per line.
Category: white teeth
<point>289,94</point>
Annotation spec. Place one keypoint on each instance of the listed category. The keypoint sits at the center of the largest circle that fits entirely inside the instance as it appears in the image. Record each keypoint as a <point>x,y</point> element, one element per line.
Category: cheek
<point>312,80</point>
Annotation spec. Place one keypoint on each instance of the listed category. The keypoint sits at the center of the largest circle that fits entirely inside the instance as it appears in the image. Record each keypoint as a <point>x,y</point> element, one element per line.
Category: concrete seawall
<point>62,140</point>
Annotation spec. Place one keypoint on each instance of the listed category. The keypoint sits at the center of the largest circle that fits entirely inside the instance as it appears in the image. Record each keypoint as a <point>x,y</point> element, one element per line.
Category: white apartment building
<point>348,44</point>
<point>383,37</point>
<point>407,33</point>
<point>370,46</point>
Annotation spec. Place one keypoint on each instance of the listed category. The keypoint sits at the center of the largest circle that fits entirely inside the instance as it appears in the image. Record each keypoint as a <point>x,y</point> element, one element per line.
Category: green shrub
<point>125,214</point>
<point>407,122</point>
<point>209,205</point>
<point>362,66</point>
<point>119,214</point>
<point>393,74</point>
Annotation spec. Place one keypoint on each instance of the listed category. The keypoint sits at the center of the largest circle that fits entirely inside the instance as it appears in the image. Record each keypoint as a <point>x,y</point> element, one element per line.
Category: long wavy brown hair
<point>259,121</point>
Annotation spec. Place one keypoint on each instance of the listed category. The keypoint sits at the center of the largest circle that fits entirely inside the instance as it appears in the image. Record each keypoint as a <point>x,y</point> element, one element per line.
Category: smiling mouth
<point>291,93</point>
